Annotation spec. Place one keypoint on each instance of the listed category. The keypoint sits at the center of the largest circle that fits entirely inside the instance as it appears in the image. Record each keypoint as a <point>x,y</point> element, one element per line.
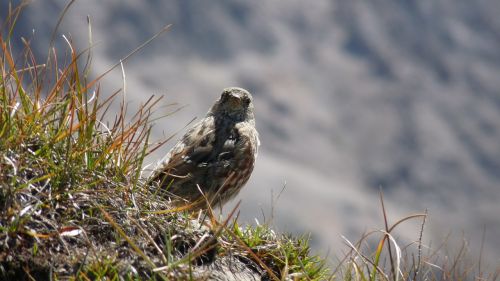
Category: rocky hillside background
<point>351,97</point>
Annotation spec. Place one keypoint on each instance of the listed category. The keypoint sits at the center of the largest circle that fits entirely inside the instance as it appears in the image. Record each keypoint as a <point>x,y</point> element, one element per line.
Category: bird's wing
<point>194,147</point>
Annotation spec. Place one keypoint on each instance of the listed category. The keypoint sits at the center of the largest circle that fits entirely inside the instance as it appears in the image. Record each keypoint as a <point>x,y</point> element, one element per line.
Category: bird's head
<point>235,103</point>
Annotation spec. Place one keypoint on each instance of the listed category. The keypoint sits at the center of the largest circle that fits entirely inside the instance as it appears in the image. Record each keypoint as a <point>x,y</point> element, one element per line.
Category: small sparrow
<point>215,158</point>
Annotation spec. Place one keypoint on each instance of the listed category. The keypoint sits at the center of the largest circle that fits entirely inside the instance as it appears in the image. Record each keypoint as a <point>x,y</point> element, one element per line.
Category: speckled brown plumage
<point>216,155</point>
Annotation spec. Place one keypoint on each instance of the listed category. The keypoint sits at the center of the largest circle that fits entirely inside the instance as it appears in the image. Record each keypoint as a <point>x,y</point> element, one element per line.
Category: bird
<point>214,159</point>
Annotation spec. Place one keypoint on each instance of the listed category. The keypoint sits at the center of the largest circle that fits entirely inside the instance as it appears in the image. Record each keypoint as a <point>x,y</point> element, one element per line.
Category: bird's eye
<point>225,95</point>
<point>246,100</point>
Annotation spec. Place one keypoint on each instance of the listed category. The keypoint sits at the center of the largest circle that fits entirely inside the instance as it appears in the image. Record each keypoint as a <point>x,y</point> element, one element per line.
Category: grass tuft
<point>73,203</point>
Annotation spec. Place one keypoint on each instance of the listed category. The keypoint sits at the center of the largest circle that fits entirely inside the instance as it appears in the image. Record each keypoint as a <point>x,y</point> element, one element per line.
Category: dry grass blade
<point>387,231</point>
<point>419,261</point>
<point>61,17</point>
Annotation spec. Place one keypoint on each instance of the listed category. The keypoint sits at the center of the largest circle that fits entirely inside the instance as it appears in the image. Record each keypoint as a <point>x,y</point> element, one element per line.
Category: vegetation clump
<point>73,203</point>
